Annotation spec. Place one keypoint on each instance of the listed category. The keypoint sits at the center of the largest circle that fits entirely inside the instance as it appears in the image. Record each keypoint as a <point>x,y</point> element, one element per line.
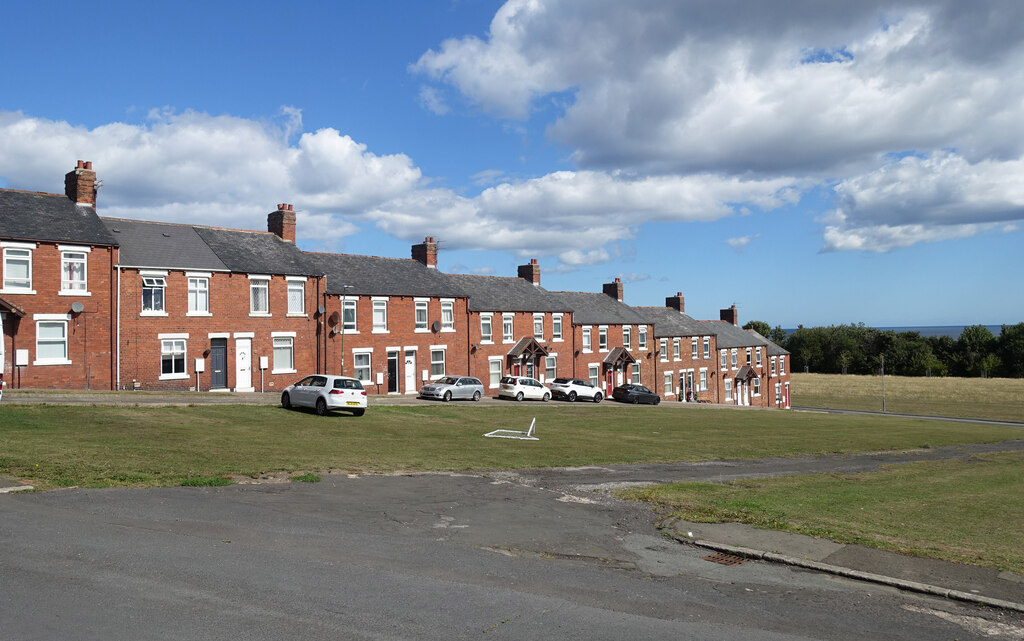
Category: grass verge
<point>58,446</point>
<point>965,511</point>
<point>990,398</point>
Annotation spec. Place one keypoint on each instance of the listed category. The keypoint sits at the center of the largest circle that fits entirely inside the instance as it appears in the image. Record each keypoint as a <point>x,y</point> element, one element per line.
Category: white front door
<point>410,372</point>
<point>243,365</point>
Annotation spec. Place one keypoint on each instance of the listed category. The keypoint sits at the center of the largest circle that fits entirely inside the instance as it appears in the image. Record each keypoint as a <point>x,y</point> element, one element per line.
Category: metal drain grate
<point>725,559</point>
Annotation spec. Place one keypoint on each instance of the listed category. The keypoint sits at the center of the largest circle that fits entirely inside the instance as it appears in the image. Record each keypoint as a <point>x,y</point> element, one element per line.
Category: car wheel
<point>286,401</point>
<point>358,412</point>
<point>447,396</point>
<point>546,397</point>
<point>635,400</point>
<point>572,397</point>
<point>476,396</point>
<point>321,407</point>
<point>519,396</point>
<point>597,397</point>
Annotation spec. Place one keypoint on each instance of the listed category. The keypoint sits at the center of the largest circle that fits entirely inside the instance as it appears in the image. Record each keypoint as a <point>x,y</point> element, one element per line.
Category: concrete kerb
<point>911,586</point>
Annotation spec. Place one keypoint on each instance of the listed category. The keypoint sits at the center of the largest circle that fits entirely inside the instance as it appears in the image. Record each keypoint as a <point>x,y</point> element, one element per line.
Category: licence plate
<point>351,402</point>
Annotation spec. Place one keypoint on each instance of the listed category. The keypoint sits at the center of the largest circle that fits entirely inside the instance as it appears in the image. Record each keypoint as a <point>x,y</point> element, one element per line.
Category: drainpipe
<point>117,349</point>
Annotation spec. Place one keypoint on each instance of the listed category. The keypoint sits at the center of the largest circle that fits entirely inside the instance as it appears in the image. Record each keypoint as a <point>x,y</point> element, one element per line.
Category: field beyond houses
<point>988,398</point>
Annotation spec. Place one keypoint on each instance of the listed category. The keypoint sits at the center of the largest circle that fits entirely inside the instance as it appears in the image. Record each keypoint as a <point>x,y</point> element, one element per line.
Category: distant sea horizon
<point>953,331</point>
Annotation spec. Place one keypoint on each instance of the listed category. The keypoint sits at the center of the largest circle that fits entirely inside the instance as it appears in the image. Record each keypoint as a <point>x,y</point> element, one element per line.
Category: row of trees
<point>858,349</point>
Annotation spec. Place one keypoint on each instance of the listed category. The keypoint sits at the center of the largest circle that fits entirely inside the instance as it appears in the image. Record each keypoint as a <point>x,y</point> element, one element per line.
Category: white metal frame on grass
<point>516,434</point>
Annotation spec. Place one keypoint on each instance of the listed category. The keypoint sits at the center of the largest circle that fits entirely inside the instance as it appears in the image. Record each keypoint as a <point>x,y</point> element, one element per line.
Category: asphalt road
<point>536,555</point>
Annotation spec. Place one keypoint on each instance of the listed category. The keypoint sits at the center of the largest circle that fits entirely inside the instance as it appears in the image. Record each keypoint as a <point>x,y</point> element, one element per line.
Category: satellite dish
<point>321,309</point>
<point>77,307</point>
<point>436,326</point>
<point>334,318</point>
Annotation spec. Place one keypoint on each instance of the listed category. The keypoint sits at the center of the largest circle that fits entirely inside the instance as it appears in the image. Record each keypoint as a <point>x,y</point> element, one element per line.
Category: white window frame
<point>198,284</point>
<point>641,341</point>
<point>778,394</point>
<point>707,347</point>
<point>282,341</point>
<point>53,320</point>
<point>587,342</point>
<point>668,383</point>
<point>380,315</point>
<point>367,368</point>
<point>556,328</point>
<point>636,373</point>
<point>773,365</point>
<point>627,342</point>
<point>69,254</point>
<point>508,328</point>
<point>663,350</point>
<point>154,281</point>
<point>757,353</point>
<point>438,366</point>
<point>602,338</point>
<point>676,349</point>
<point>782,365</point>
<point>725,358</point>
<point>728,389</point>
<point>173,341</point>
<point>750,356</point>
<point>494,372</point>
<point>14,252</point>
<point>538,324</point>
<point>257,283</point>
<point>487,329</point>
<point>550,367</point>
<point>756,386</point>
<point>703,379</point>
<point>694,349</point>
<point>353,326</point>
<point>296,284</point>
<point>734,354</point>
<point>447,315</point>
<point>421,315</point>
<point>594,374</point>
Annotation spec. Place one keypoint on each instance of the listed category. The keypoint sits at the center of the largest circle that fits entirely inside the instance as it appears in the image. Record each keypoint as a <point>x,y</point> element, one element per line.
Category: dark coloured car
<point>635,394</point>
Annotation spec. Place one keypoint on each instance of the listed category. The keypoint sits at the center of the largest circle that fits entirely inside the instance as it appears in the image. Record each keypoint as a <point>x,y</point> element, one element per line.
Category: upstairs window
<point>707,347</point>
<point>538,326</point>
<point>626,339</point>
<point>693,348</point>
<point>749,362</point>
<point>782,365</point>
<point>507,332</point>
<point>758,356</point>
<point>586,339</point>
<point>447,316</point>
<point>602,339</point>
<point>556,327</point>
<point>486,330</point>
<point>675,349</point>
<point>348,316</point>
<point>380,316</point>
<point>17,269</point>
<point>153,293</point>
<point>259,296</point>
<point>421,316</point>
<point>198,295</point>
<point>642,340</point>
<point>663,349</point>
<point>296,297</point>
<point>73,271</point>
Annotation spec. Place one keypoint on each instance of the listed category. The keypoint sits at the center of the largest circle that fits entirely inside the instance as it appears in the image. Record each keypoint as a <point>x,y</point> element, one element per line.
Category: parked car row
<point>326,392</point>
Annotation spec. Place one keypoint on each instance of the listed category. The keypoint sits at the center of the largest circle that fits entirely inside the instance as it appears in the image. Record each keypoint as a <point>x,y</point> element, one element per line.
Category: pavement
<point>961,582</point>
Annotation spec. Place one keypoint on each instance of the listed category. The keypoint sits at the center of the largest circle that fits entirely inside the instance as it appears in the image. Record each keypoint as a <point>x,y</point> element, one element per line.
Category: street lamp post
<point>344,293</point>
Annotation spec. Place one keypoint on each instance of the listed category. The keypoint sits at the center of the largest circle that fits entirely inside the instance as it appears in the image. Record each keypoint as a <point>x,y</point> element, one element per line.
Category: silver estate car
<point>448,387</point>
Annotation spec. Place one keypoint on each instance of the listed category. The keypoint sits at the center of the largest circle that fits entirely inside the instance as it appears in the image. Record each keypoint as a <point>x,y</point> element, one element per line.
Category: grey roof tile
<point>670,323</point>
<point>31,215</point>
<point>506,294</point>
<point>370,275</point>
<point>601,309</point>
<point>256,252</point>
<point>163,245</point>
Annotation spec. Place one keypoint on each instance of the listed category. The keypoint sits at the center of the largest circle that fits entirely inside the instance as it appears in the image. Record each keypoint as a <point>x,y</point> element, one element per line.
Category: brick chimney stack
<point>282,222</point>
<point>531,272</point>
<point>80,184</point>
<point>730,315</point>
<point>676,302</point>
<point>614,289</point>
<point>426,252</point>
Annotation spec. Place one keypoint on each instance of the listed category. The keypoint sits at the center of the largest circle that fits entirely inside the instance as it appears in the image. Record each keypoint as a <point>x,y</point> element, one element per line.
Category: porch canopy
<point>745,373</point>
<point>618,357</point>
<point>527,346</point>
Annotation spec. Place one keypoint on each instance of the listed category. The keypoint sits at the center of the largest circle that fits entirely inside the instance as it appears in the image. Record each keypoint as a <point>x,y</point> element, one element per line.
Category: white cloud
<point>634,277</point>
<point>742,241</point>
<point>432,99</point>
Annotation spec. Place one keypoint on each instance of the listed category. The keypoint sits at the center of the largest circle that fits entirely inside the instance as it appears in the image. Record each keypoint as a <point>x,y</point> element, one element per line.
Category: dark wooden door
<point>218,363</point>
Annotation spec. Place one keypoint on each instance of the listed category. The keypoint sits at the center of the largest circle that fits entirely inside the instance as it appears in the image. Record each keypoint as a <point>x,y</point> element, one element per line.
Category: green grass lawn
<point>970,512</point>
<point>60,446</point>
<point>991,398</point>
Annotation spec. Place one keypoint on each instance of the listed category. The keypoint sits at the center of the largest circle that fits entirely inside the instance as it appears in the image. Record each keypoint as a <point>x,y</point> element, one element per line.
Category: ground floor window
<point>550,368</point>
<point>668,383</point>
<point>51,342</point>
<point>636,373</point>
<point>284,354</point>
<point>757,386</point>
<point>703,380</point>
<point>778,393</point>
<point>595,375</point>
<point>728,390</point>
<point>494,366</point>
<point>436,363</point>
<point>361,365</point>
<point>172,358</point>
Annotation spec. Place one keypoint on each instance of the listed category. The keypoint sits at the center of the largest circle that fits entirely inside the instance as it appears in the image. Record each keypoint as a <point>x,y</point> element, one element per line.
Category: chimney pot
<point>613,289</point>
<point>426,252</point>
<point>530,272</point>
<point>80,184</point>
<point>676,302</point>
<point>282,223</point>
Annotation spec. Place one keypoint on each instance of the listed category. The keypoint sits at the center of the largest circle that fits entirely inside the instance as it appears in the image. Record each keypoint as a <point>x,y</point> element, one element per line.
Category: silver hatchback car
<point>448,387</point>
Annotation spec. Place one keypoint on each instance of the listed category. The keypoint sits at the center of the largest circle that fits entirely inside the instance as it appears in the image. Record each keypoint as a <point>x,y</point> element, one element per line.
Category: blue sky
<point>812,163</point>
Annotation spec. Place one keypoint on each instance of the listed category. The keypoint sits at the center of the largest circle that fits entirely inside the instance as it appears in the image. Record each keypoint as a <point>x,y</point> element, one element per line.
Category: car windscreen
<point>447,380</point>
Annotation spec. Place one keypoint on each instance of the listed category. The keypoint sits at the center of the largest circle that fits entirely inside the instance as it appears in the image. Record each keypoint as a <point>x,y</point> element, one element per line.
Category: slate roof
<point>256,252</point>
<point>31,215</point>
<point>601,309</point>
<point>162,245</point>
<point>507,294</point>
<point>669,323</point>
<point>369,275</point>
<point>730,335</point>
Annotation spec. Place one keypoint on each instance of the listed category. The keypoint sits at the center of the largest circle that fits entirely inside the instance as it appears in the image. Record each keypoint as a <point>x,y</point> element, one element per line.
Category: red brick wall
<point>597,355</point>
<point>229,306</point>
<point>90,342</point>
<point>687,362</point>
<point>401,334</point>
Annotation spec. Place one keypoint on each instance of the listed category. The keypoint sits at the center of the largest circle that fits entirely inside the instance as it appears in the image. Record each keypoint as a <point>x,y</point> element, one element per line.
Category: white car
<point>520,387</point>
<point>324,392</point>
<point>572,388</point>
